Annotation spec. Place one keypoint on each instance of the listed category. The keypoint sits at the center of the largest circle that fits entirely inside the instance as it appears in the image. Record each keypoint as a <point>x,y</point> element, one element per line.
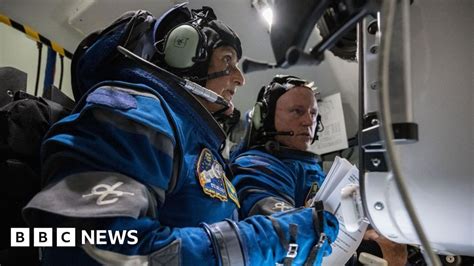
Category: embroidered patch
<point>211,175</point>
<point>112,98</point>
<point>231,192</point>
<point>281,206</point>
<point>104,190</point>
<point>312,192</point>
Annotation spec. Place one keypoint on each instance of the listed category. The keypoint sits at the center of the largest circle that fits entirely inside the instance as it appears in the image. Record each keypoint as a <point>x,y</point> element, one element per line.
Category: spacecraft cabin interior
<point>403,72</point>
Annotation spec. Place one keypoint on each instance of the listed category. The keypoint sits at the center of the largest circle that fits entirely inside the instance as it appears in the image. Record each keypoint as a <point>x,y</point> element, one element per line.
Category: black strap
<point>279,231</point>
<point>315,249</point>
<point>212,75</point>
<point>290,246</point>
<point>318,209</point>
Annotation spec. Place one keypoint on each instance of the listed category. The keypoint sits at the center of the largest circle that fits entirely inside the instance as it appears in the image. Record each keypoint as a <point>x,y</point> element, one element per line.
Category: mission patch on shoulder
<point>211,175</point>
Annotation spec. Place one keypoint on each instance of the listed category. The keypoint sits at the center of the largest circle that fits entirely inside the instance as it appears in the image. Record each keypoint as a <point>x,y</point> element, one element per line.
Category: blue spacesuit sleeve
<point>268,186</point>
<point>265,185</point>
<point>289,237</point>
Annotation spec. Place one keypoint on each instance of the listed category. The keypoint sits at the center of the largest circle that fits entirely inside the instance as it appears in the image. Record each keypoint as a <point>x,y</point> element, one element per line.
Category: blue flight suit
<point>269,182</point>
<point>141,154</point>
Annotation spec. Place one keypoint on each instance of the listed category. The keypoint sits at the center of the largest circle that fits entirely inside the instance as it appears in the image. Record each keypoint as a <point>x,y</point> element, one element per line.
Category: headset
<point>187,47</point>
<point>262,116</point>
<point>186,44</point>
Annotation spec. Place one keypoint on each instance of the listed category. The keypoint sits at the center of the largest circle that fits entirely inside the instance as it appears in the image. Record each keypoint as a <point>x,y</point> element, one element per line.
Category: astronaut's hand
<point>306,234</point>
<point>394,253</point>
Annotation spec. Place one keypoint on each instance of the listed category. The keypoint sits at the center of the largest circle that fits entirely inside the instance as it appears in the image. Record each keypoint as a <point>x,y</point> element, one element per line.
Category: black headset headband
<point>212,33</point>
<point>266,101</point>
<point>273,91</point>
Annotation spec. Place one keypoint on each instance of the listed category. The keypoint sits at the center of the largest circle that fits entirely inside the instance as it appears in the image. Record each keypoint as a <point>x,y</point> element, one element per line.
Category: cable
<point>49,72</point>
<point>61,58</point>
<point>383,69</point>
<point>38,69</point>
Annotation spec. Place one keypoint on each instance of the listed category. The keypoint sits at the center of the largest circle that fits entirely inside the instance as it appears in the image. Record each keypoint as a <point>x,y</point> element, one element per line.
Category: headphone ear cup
<point>257,121</point>
<point>181,46</point>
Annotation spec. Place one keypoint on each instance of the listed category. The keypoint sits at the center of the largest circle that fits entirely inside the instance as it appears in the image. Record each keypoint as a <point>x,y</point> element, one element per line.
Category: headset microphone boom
<point>192,87</point>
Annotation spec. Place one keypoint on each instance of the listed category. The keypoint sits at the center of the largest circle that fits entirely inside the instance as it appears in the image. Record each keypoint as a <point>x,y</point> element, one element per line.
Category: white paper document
<point>334,136</point>
<point>337,172</point>
<point>341,174</point>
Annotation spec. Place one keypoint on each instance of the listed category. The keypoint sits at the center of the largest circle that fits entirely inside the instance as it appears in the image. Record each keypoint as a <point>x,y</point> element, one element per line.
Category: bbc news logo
<point>67,237</point>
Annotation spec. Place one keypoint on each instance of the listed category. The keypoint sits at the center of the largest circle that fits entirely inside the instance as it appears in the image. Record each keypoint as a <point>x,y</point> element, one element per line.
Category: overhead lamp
<point>265,10</point>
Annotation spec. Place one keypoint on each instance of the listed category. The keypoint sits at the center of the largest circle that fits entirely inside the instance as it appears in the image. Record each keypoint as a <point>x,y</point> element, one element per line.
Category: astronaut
<point>274,171</point>
<point>272,167</point>
<point>132,154</point>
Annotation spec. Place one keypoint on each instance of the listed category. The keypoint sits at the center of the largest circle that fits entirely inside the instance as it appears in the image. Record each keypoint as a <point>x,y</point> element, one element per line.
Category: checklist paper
<point>341,174</point>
